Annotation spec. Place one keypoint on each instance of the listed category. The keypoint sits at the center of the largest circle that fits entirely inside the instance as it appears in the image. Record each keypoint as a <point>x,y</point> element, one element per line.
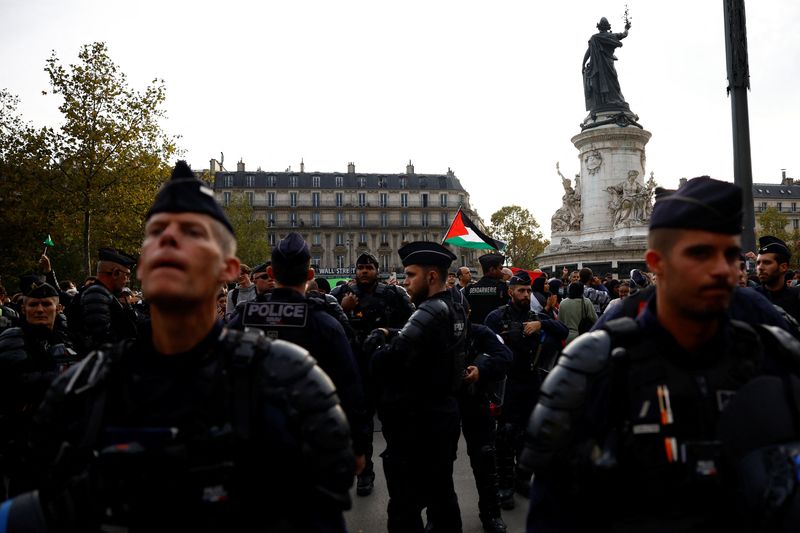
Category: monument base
<point>616,256</point>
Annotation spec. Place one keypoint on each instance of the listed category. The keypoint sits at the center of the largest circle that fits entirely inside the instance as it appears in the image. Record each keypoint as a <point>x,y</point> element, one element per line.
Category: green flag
<point>48,241</point>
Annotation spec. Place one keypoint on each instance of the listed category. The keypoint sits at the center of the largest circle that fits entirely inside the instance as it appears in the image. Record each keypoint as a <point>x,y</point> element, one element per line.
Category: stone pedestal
<point>615,202</point>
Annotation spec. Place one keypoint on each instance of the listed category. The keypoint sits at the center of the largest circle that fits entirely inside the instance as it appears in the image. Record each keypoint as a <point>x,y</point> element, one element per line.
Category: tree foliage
<point>251,232</point>
<point>518,228</point>
<point>90,181</point>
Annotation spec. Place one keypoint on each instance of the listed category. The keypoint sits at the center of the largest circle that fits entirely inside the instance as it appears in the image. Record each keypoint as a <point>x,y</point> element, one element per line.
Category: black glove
<point>374,340</point>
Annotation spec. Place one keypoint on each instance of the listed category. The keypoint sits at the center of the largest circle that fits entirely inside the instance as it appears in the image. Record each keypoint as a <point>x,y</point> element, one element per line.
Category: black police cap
<point>491,259</point>
<point>426,253</point>
<point>772,245</point>
<point>184,193</point>
<point>35,286</point>
<point>702,204</point>
<point>261,268</point>
<point>115,256</point>
<point>367,258</point>
<point>520,278</point>
<point>292,249</point>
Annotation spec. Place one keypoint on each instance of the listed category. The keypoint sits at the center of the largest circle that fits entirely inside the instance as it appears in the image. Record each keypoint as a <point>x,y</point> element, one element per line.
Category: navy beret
<point>34,286</point>
<point>491,259</point>
<point>261,268</point>
<point>521,278</point>
<point>115,256</point>
<point>702,204</point>
<point>184,193</point>
<point>772,245</point>
<point>426,253</point>
<point>367,258</point>
<point>292,249</point>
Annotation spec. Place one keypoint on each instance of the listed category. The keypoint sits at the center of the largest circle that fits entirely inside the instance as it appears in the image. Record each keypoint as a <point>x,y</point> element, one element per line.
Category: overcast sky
<point>492,90</point>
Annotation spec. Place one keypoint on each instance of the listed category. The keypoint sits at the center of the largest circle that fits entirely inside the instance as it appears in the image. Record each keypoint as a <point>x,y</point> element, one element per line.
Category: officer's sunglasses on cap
<point>125,273</point>
<point>263,276</point>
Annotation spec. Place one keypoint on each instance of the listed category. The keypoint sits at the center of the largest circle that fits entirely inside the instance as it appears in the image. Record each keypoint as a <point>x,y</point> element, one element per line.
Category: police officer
<point>535,340</point>
<point>626,425</point>
<point>370,304</point>
<point>285,313</point>
<point>31,355</point>
<point>191,427</point>
<point>771,266</point>
<point>96,316</point>
<point>417,371</point>
<point>490,292</point>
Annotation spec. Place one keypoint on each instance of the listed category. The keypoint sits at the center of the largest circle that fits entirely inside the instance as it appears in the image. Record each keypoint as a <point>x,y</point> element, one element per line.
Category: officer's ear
<point>655,261</point>
<point>270,273</point>
<point>230,269</point>
<point>309,275</point>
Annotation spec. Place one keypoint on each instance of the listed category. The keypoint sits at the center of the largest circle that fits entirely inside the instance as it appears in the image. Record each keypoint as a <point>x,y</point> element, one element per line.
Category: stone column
<point>607,154</point>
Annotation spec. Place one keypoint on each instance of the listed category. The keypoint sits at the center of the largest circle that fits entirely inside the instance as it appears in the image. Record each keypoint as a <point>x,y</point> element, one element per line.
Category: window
<point>362,182</point>
<point>250,180</point>
<point>339,181</point>
<point>315,181</point>
<point>362,219</point>
<point>460,200</point>
<point>271,181</point>
<point>443,220</point>
<point>424,220</point>
<point>250,197</point>
<point>424,200</point>
<point>315,219</point>
<point>362,238</point>
<point>270,219</point>
<point>271,239</point>
<point>385,262</point>
<point>780,206</point>
<point>384,220</point>
<point>384,238</point>
<point>293,219</point>
<point>795,224</point>
<point>292,181</point>
<point>340,219</point>
<point>270,199</point>
<point>228,181</point>
<point>443,200</point>
<point>316,239</point>
<point>403,183</point>
<point>404,219</point>
<point>226,198</point>
<point>763,206</point>
<point>340,239</point>
<point>339,261</point>
<point>384,199</point>
<point>292,199</point>
<point>315,199</point>
<point>339,199</point>
<point>315,260</point>
<point>362,199</point>
<point>404,199</point>
<point>794,207</point>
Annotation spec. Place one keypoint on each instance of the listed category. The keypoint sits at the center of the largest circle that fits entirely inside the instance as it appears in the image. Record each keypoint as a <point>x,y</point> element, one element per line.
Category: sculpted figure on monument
<point>647,199</point>
<point>628,201</point>
<point>600,83</point>
<point>568,217</point>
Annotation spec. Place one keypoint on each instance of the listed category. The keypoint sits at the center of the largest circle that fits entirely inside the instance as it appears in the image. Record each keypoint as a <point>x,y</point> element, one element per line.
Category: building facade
<point>342,214</point>
<point>783,196</point>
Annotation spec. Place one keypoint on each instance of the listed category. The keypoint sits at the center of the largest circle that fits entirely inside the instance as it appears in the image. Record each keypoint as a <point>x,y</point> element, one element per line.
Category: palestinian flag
<point>465,234</point>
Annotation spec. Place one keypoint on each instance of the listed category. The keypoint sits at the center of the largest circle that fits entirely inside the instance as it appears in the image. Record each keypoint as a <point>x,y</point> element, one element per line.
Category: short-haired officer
<point>191,427</point>
<point>624,436</point>
<point>771,266</point>
<point>417,371</point>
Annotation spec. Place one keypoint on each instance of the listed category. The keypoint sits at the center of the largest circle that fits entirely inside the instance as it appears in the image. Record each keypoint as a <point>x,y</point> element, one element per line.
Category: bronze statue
<point>600,83</point>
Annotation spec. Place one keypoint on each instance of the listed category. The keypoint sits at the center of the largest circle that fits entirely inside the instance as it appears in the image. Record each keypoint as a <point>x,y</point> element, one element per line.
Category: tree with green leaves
<point>518,228</point>
<point>251,232</point>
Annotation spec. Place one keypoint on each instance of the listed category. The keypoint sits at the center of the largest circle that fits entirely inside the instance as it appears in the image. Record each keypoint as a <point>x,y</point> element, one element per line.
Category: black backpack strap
<point>244,349</point>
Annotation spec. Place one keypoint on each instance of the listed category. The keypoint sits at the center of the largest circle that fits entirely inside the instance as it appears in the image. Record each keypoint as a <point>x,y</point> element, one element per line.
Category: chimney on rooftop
<point>240,166</point>
<point>450,173</point>
<point>682,182</point>
<point>302,165</point>
<point>351,168</point>
<point>409,168</point>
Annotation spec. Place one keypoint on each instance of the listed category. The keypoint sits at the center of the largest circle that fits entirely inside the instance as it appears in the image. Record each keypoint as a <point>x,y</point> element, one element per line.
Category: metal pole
<point>738,85</point>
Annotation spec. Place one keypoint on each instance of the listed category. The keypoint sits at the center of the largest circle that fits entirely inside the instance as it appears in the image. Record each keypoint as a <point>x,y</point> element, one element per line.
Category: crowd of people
<point>225,397</point>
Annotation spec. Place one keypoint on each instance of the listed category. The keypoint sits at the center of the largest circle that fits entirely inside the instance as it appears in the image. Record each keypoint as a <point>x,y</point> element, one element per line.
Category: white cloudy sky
<point>491,89</point>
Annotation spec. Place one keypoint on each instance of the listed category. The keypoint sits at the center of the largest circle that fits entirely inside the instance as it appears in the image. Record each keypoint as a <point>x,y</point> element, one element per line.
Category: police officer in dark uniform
<point>771,266</point>
<point>417,371</point>
<point>96,316</point>
<point>285,313</point>
<point>370,304</point>
<point>535,339</point>
<point>190,427</point>
<point>490,292</point>
<point>625,429</point>
<point>31,355</point>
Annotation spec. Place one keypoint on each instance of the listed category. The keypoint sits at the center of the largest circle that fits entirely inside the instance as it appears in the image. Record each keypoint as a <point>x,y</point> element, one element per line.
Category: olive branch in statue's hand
<point>626,18</point>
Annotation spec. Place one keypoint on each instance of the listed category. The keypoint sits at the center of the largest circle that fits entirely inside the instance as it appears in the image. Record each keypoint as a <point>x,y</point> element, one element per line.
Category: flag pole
<point>451,224</point>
